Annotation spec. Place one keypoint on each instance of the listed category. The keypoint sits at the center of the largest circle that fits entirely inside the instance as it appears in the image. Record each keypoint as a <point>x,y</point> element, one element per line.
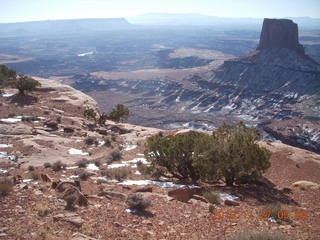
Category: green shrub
<point>7,75</point>
<point>212,197</point>
<point>117,173</point>
<point>107,142</point>
<point>231,153</point>
<point>31,168</point>
<point>35,176</point>
<point>255,235</point>
<point>277,211</point>
<point>119,114</point>
<point>47,165</point>
<point>115,155</point>
<point>5,189</point>
<point>173,154</point>
<point>42,209</point>
<point>90,114</point>
<point>83,175</point>
<point>137,201</point>
<point>24,83</point>
<point>91,141</point>
<point>57,166</point>
<point>144,169</point>
<point>82,163</point>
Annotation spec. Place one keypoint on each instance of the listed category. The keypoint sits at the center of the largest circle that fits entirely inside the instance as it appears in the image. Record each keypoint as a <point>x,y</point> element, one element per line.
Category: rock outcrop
<point>280,33</point>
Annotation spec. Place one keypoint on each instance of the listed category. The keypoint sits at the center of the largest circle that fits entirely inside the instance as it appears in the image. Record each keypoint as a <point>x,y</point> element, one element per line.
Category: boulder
<point>79,236</point>
<point>69,217</point>
<point>181,194</point>
<point>81,200</point>
<point>52,125</point>
<point>228,202</point>
<point>144,189</point>
<point>113,195</point>
<point>45,177</point>
<point>304,185</point>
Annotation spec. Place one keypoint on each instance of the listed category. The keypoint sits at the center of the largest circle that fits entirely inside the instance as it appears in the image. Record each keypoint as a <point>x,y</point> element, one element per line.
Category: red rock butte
<point>280,33</point>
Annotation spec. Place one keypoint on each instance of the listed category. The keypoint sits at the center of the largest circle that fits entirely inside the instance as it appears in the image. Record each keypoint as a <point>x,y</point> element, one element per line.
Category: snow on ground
<point>5,145</point>
<point>136,160</point>
<point>129,147</point>
<point>8,157</point>
<point>225,196</point>
<point>10,120</point>
<point>73,151</point>
<point>158,183</point>
<point>3,171</point>
<point>27,180</point>
<point>136,172</point>
<point>6,94</point>
<point>92,166</point>
<point>72,167</point>
<point>118,165</point>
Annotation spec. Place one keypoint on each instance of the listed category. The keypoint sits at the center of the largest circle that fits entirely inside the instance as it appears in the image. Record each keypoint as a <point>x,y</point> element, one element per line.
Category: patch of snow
<point>134,166</point>
<point>136,160</point>
<point>78,140</point>
<point>73,151</point>
<point>27,180</point>
<point>5,145</point>
<point>140,154</point>
<point>271,219</point>
<point>6,94</point>
<point>129,210</point>
<point>225,196</point>
<point>8,157</point>
<point>136,172</point>
<point>73,176</point>
<point>118,165</point>
<point>10,120</point>
<point>178,99</point>
<point>101,143</point>
<point>92,166</point>
<point>129,147</point>
<point>158,183</point>
<point>72,167</point>
<point>209,109</point>
<point>3,171</point>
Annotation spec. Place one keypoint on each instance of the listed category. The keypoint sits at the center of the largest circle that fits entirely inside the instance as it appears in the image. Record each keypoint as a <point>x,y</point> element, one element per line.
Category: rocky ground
<point>49,125</point>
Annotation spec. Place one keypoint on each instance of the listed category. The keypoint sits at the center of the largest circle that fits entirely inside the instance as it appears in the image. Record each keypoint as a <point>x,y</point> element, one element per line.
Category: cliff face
<point>280,33</point>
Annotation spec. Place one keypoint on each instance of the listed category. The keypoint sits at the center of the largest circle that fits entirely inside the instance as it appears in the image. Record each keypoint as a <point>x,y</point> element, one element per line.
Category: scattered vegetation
<point>83,163</point>
<point>31,168</point>
<point>277,211</point>
<point>47,165</point>
<point>254,235</point>
<point>107,142</point>
<point>230,153</point>
<point>137,201</point>
<point>7,75</point>
<point>34,176</point>
<point>42,209</point>
<point>115,155</point>
<point>143,169</point>
<point>5,189</point>
<point>117,173</point>
<point>91,141</point>
<point>119,114</point>
<point>24,83</point>
<point>57,166</point>
<point>70,200</point>
<point>83,175</point>
<point>212,197</point>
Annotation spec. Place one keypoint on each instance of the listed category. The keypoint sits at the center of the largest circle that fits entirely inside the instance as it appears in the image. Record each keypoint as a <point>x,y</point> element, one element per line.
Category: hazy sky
<point>29,10</point>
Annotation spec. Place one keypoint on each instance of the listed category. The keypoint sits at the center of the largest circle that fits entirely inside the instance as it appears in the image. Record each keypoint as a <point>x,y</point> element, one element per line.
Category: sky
<point>31,10</point>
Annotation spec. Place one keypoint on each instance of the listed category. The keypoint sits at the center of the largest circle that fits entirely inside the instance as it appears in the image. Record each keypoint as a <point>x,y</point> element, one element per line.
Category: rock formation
<point>280,33</point>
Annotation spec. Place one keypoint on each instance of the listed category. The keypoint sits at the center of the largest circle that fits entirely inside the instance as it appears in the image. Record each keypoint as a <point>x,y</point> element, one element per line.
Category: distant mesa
<point>280,33</point>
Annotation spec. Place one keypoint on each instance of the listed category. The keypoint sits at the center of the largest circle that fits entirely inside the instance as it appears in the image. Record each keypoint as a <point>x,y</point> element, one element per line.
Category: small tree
<point>90,114</point>
<point>119,114</point>
<point>173,154</point>
<point>232,153</point>
<point>7,75</point>
<point>24,83</point>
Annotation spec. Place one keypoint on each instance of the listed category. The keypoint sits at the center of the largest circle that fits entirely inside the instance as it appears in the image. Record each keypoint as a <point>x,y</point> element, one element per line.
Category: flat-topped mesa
<point>280,33</point>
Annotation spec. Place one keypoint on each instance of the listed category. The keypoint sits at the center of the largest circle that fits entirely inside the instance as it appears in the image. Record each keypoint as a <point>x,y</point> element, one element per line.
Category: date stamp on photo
<point>261,214</point>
